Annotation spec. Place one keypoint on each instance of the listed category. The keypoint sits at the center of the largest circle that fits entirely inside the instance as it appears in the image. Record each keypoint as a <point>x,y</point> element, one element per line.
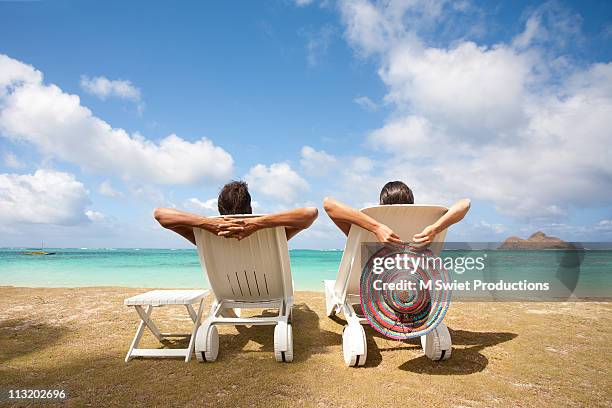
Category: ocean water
<point>591,271</point>
<point>170,268</point>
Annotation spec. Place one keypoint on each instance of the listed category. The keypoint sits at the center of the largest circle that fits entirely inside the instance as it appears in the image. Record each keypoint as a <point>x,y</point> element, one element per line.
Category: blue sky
<point>505,103</point>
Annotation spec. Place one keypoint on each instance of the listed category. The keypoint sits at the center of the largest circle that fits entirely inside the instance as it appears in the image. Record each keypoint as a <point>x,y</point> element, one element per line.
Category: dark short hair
<point>234,198</point>
<point>396,192</point>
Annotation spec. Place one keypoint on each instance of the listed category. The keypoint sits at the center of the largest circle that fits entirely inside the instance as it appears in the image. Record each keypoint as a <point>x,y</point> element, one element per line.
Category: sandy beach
<point>504,354</point>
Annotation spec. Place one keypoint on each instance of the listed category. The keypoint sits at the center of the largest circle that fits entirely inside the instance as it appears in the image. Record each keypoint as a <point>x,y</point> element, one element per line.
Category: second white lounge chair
<point>251,273</point>
<point>343,293</point>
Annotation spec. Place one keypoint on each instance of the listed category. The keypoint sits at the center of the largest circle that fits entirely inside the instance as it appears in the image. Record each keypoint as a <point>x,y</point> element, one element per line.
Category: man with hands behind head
<point>234,199</point>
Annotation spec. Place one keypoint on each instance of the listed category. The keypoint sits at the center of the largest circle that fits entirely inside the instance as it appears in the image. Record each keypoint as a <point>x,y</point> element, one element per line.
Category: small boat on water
<point>41,252</point>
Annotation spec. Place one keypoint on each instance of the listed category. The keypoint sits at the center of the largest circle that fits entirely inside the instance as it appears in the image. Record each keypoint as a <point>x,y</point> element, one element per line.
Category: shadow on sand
<point>464,360</point>
<point>19,337</point>
<point>304,321</point>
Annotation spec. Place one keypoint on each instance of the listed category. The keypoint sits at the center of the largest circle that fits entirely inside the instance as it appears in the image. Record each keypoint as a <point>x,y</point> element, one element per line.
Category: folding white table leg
<point>192,312</point>
<point>196,325</point>
<point>139,333</point>
<point>146,318</point>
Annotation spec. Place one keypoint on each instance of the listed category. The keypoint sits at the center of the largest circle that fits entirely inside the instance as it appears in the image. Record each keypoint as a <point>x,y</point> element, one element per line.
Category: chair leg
<point>196,325</point>
<point>139,332</point>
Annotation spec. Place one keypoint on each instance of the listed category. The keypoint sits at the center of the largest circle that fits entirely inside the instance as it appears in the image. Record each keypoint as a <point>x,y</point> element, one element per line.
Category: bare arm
<point>294,221</point>
<point>454,214</point>
<point>344,216</point>
<point>183,223</point>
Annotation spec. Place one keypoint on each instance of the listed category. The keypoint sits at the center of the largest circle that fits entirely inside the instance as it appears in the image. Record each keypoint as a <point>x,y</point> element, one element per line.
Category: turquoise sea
<point>178,268</point>
<point>164,268</point>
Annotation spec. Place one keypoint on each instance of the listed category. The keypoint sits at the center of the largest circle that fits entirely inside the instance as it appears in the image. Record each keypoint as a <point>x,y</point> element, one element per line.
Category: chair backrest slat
<point>255,269</point>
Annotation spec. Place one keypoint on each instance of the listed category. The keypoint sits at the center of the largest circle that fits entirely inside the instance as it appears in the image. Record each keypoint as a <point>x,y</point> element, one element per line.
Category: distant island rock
<point>538,240</point>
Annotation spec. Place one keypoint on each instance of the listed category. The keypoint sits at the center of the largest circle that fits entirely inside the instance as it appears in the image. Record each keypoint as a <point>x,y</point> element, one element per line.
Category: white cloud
<point>550,23</point>
<point>11,161</point>
<point>322,234</point>
<point>318,43</point>
<point>45,197</point>
<point>106,189</point>
<point>604,225</point>
<point>361,164</point>
<point>533,28</point>
<point>103,88</point>
<point>208,207</point>
<point>365,25</point>
<point>366,103</point>
<point>94,215</point>
<point>407,133</point>
<point>375,27</point>
<point>278,181</point>
<point>496,228</point>
<point>59,126</point>
<point>357,182</point>
<point>152,194</point>
<point>317,162</point>
<point>470,89</point>
<point>14,73</point>
<point>301,3</point>
<point>361,179</point>
<point>512,123</point>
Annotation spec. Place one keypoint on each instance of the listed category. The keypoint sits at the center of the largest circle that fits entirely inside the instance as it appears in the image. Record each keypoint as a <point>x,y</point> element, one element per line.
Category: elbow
<point>328,204</point>
<point>464,207</point>
<point>310,214</point>
<point>159,215</point>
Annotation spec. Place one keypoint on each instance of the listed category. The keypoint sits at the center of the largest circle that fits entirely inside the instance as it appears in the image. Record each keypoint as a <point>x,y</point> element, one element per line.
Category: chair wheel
<point>437,343</point>
<point>287,355</point>
<point>207,343</point>
<point>354,346</point>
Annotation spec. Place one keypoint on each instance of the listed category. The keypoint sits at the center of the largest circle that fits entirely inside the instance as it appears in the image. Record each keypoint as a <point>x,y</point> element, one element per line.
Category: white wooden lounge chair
<point>343,293</point>
<point>158,298</point>
<point>251,273</point>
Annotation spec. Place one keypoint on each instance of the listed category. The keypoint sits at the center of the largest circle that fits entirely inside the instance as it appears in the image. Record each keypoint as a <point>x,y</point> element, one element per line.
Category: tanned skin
<point>344,216</point>
<point>183,223</point>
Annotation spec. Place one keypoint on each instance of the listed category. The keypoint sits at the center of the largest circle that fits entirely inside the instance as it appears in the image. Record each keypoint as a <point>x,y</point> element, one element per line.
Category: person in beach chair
<point>245,259</point>
<point>234,199</point>
<point>396,220</point>
<point>394,192</point>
